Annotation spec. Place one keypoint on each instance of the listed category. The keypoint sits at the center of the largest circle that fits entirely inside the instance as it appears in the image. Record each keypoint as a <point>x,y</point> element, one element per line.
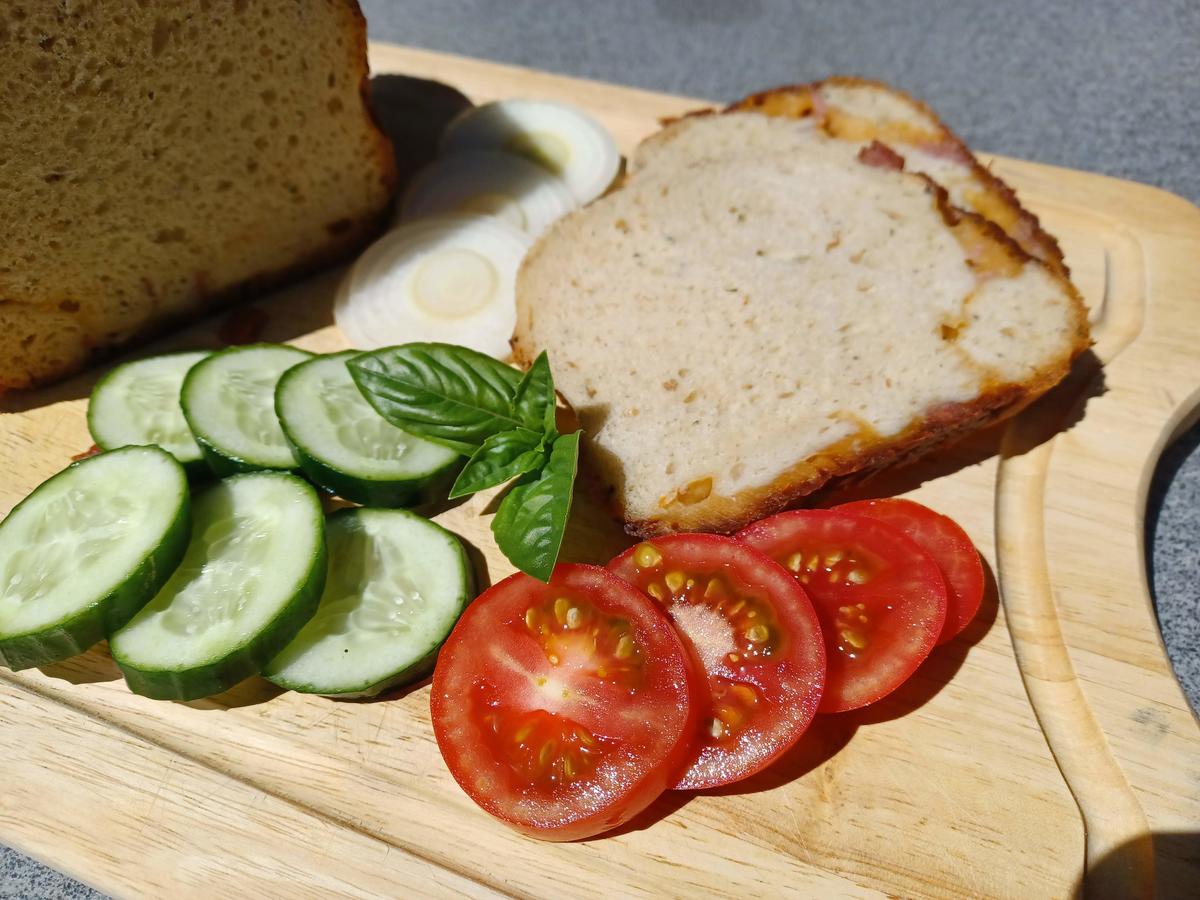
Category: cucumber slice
<point>138,403</point>
<point>229,403</point>
<point>251,577</point>
<point>346,447</point>
<point>397,584</point>
<point>86,550</point>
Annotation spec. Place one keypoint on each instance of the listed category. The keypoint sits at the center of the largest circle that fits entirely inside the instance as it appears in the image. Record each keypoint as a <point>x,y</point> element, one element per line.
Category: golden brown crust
<point>996,201</point>
<point>851,459</point>
<point>340,249</point>
<point>866,451</point>
<point>86,347</point>
<point>992,249</point>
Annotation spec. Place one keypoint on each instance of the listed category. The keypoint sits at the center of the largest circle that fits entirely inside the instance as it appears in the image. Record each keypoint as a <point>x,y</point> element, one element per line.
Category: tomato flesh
<point>565,709</point>
<point>943,539</point>
<point>880,598</point>
<point>755,633</point>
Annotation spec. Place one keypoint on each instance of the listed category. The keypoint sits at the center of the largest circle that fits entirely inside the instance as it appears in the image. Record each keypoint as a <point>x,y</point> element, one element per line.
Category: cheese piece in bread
<point>736,329</point>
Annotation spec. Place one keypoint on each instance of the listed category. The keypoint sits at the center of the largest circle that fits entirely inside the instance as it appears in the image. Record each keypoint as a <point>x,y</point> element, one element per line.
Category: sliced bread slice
<point>735,330</point>
<point>158,157</point>
<point>864,112</point>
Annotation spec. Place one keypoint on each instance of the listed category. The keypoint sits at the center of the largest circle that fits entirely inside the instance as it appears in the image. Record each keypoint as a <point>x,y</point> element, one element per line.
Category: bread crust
<point>797,101</point>
<point>864,452</point>
<point>19,372</point>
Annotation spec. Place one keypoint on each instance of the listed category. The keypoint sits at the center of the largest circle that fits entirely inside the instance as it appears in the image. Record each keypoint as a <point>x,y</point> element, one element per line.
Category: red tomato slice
<point>755,632</point>
<point>880,598</point>
<point>943,539</point>
<point>565,709</point>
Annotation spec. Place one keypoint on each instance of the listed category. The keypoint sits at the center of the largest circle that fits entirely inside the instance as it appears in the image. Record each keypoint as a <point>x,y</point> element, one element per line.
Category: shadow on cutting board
<point>828,734</point>
<point>96,666</point>
<point>1120,874</point>
<point>414,112</point>
<point>1058,410</point>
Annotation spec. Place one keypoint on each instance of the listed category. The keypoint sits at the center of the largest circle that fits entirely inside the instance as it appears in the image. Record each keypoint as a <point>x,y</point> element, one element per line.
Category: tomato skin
<point>943,539</point>
<point>880,598</point>
<point>639,723</point>
<point>761,696</point>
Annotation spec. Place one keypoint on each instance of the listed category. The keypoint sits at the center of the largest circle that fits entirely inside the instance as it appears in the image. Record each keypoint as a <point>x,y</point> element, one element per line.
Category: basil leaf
<point>501,457</point>
<point>535,400</point>
<point>451,395</point>
<point>532,517</point>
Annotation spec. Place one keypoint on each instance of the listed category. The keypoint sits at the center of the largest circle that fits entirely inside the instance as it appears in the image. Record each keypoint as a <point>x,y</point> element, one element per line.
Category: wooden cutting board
<point>1050,741</point>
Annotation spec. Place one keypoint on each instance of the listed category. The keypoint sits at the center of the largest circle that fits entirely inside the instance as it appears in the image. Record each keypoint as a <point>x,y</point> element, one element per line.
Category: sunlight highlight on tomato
<point>565,709</point>
<point>880,598</point>
<point>755,633</point>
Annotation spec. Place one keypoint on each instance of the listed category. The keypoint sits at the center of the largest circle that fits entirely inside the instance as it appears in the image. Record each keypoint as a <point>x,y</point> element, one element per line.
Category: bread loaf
<point>157,159</point>
<point>765,307</point>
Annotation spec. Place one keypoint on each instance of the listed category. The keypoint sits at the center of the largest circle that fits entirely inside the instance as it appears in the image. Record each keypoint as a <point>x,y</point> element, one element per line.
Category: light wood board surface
<point>1050,741</point>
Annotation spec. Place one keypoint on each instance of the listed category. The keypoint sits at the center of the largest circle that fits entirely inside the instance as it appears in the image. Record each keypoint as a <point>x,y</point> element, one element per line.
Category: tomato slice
<point>756,634</point>
<point>943,539</point>
<point>880,598</point>
<point>565,709</point>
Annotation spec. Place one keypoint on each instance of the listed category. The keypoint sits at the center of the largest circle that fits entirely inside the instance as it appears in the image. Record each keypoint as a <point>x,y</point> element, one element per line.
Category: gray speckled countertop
<point>1110,86</point>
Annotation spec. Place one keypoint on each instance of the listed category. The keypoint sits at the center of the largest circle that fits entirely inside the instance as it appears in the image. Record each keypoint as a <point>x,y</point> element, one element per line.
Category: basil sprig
<point>502,420</point>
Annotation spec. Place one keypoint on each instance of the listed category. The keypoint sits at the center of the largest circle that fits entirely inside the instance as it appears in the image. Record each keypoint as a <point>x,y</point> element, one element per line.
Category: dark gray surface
<point>1108,86</point>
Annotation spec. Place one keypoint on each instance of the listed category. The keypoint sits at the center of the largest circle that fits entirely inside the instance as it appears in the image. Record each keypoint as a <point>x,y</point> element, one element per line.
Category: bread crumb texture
<point>156,156</point>
<point>758,311</point>
<point>861,111</point>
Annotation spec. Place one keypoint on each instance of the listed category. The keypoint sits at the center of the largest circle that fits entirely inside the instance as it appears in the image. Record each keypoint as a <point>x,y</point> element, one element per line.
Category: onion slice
<point>484,182</point>
<point>563,139</point>
<point>450,279</point>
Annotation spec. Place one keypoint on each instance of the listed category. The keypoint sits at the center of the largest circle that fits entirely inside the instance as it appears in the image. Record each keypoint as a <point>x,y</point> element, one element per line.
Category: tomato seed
<point>624,647</point>
<point>647,557</point>
<point>745,693</point>
<point>758,634</point>
<point>674,581</point>
<point>729,716</point>
<point>854,639</point>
